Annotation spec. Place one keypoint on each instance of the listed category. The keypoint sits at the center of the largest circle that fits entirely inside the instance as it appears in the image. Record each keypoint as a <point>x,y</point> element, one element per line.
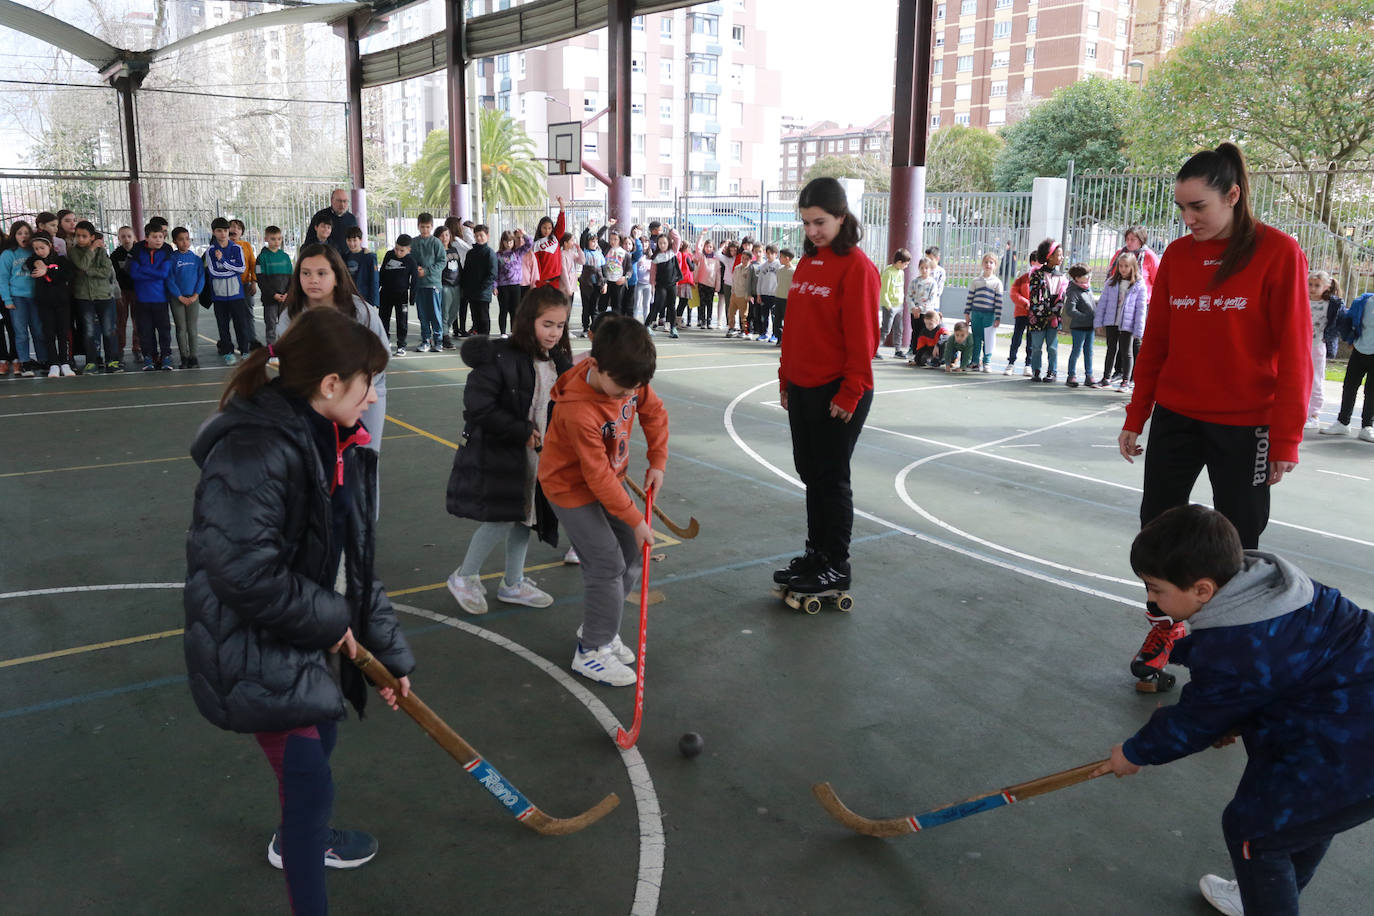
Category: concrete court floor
<point>995,616</point>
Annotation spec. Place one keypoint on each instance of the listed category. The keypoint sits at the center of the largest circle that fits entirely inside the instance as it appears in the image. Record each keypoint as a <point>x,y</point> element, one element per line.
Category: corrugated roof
<point>54,31</point>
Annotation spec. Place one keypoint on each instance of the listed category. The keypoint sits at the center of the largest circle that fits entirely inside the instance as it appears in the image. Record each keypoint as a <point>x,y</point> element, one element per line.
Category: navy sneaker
<point>345,849</point>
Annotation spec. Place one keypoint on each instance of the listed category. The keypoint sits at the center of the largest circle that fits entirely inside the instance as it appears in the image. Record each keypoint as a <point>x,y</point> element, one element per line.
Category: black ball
<point>690,744</point>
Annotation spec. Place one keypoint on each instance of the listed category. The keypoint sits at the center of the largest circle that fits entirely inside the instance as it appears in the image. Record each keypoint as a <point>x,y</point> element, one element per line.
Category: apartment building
<point>802,147</point>
<point>992,58</point>
<point>1160,25</point>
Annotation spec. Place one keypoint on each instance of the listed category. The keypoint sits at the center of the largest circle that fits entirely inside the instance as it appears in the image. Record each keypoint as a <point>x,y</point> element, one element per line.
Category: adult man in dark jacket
<point>338,213</point>
<point>477,280</point>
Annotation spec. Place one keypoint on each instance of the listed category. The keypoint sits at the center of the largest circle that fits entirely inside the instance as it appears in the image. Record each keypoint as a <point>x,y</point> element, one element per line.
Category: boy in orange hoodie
<point>584,456</point>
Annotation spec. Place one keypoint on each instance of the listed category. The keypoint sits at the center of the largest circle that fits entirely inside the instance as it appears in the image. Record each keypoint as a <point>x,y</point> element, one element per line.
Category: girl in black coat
<point>284,498</point>
<point>505,413</point>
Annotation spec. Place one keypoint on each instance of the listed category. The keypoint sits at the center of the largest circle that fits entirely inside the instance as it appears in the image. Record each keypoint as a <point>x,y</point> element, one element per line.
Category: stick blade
<point>626,739</point>
<point>562,826</point>
<point>692,530</point>
<point>889,827</point>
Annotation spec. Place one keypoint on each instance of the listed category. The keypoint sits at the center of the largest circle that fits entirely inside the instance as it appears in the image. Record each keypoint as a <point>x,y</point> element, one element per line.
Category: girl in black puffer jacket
<point>284,498</point>
<point>505,413</point>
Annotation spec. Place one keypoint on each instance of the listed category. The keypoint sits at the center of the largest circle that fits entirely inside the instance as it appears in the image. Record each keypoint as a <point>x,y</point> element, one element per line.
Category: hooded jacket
<point>261,610</point>
<point>587,445</point>
<point>1288,664</point>
<point>1123,308</point>
<point>226,271</point>
<point>487,482</point>
<point>94,272</point>
<point>477,279</point>
<point>151,270</point>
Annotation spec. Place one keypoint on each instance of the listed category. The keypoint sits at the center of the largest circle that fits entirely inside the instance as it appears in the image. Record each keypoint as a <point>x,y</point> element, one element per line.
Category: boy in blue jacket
<point>151,269</point>
<point>1282,662</point>
<point>225,265</point>
<point>184,286</point>
<point>362,267</point>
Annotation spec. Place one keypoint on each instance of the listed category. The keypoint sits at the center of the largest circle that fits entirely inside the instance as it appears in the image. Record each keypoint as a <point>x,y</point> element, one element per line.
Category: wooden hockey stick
<point>693,526</point>
<point>524,810</point>
<point>897,826</point>
<point>626,739</point>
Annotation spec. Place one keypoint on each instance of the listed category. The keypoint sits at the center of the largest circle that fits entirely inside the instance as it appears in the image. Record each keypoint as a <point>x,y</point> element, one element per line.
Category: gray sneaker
<point>468,592</point>
<point>1223,895</point>
<point>523,592</point>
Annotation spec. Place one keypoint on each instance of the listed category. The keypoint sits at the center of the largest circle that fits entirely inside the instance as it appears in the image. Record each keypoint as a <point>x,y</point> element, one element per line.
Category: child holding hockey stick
<point>586,452</point>
<point>285,501</point>
<point>1282,662</point>
<point>505,415</point>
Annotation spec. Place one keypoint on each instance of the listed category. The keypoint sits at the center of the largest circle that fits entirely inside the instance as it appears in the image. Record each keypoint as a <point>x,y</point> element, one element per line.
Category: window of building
<point>938,67</point>
<point>737,34</point>
<point>810,146</point>
<point>702,181</point>
<point>588,183</point>
<point>1030,55</point>
<point>502,101</point>
<point>522,63</point>
<point>589,104</point>
<point>637,184</point>
<point>503,63</point>
<point>589,144</point>
<point>522,106</point>
<point>637,23</point>
<point>968,7</point>
<point>854,144</point>
<point>1120,59</point>
<point>665,109</point>
<point>705,25</point>
<point>966,63</point>
<point>665,26</point>
<point>1090,50</point>
<point>934,120</point>
<point>962,119</point>
<point>737,109</point>
<point>940,39</point>
<point>1094,19</point>
<point>997,116</point>
<point>704,64</point>
<point>665,149</point>
<point>737,76</point>
<point>665,185</point>
<point>966,36</point>
<point>1001,29</point>
<point>665,69</point>
<point>940,11</point>
<point>1028,85</point>
<point>637,63</point>
<point>637,142</point>
<point>736,150</point>
<point>704,143</point>
<point>1003,4</point>
<point>1120,27</point>
<point>702,104</point>
<point>734,186</point>
<point>875,143</point>
<point>1031,23</point>
<point>998,89</point>
<point>963,92</point>
<point>637,104</point>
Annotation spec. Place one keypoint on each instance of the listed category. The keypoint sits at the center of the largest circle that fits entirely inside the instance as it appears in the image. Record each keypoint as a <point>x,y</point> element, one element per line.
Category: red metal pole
<point>459,187</point>
<point>619,14</point>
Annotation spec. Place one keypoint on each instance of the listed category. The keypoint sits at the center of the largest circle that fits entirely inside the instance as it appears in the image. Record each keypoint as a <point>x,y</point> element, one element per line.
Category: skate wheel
<point>779,591</point>
<point>844,603</point>
<point>812,605</point>
<point>792,601</point>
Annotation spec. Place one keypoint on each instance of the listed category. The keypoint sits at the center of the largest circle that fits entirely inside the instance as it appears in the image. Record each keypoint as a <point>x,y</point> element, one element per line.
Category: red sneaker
<point>1154,652</point>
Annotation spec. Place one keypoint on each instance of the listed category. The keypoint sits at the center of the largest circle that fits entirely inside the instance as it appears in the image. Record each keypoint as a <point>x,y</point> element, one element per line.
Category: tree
<point>961,159</point>
<point>1086,121</point>
<point>511,175</point>
<point>1292,81</point>
<point>876,174</point>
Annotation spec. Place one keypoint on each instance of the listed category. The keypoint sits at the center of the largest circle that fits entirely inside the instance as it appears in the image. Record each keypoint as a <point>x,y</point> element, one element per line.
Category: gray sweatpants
<point>611,564</point>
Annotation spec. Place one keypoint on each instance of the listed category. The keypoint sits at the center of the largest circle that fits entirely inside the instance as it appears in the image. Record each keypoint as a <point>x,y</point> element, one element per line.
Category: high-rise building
<point>1160,24</point>
<point>801,148</point>
<point>412,108</point>
<point>704,104</point>
<point>992,58</point>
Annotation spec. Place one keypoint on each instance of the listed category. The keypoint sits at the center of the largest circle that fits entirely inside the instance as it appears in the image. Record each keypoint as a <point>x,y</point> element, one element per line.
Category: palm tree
<point>511,176</point>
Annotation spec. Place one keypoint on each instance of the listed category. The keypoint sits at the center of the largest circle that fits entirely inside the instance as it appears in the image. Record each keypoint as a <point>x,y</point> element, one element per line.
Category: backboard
<point>565,148</point>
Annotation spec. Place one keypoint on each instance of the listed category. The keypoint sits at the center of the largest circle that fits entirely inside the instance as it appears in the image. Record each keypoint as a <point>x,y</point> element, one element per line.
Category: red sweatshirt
<point>1237,354</point>
<point>832,325</point>
<point>548,254</point>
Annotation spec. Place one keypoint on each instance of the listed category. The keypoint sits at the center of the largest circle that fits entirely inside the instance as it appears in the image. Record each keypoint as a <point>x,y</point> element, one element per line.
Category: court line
<point>94,647</point>
<point>46,413</point>
<point>728,419</point>
<point>418,431</point>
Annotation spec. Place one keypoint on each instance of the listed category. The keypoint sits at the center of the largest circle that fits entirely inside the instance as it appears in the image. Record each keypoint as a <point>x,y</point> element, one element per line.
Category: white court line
<point>955,548</point>
<point>703,368</point>
<point>652,842</point>
<point>1339,474</point>
<point>1019,445</point>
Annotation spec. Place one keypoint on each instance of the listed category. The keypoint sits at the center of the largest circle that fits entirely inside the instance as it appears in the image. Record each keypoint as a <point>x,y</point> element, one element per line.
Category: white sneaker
<point>618,648</point>
<point>423,348</point>
<point>468,592</point>
<point>602,666</point>
<point>1223,895</point>
<point>1337,428</point>
<point>1011,367</point>
<point>1026,370</point>
<point>1367,434</point>
<point>1312,423</point>
<point>68,371</point>
<point>54,372</point>
<point>571,558</point>
<point>523,592</point>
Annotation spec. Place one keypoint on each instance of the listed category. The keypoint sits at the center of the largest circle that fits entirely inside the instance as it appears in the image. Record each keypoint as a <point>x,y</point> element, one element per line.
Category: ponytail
<point>320,342</point>
<point>1223,169</point>
<point>828,194</point>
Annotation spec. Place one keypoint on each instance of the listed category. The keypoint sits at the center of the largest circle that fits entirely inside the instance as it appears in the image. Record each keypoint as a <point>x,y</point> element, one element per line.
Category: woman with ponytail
<point>1225,367</point>
<point>286,502</point>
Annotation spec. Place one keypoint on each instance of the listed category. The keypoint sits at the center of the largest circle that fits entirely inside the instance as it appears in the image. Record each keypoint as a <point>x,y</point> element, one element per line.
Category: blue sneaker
<point>345,849</point>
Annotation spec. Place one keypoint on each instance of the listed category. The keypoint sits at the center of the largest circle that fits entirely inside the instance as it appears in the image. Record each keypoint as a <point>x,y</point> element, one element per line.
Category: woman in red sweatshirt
<point>826,379</point>
<point>1224,370</point>
<point>548,248</point>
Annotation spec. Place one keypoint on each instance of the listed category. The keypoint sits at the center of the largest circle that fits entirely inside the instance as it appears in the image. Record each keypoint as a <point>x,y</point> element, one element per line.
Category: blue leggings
<point>305,787</point>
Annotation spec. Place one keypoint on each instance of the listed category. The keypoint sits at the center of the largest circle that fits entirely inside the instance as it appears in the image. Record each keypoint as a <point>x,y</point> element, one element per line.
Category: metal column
<point>459,164</point>
<point>126,82</point>
<point>619,14</point>
<point>353,77</point>
<point>911,115</point>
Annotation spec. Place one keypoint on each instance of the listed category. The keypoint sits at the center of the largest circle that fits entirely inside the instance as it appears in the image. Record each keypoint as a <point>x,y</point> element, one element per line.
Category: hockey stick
<point>693,526</point>
<point>524,810</point>
<point>626,739</point>
<point>896,826</point>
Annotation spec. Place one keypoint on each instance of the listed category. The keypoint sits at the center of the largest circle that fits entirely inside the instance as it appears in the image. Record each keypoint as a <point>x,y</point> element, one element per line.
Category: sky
<point>835,66</point>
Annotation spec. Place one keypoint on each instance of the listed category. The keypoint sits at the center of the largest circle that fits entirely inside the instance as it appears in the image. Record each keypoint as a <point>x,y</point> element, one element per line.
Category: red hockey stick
<point>626,739</point>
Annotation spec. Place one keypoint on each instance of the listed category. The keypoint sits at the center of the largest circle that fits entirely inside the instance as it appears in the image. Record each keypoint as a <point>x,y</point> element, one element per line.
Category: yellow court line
<point>94,647</point>
<point>123,464</point>
<point>419,431</point>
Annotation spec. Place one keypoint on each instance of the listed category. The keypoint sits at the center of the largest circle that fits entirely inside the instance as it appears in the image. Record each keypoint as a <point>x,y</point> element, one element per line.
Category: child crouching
<point>959,344</point>
<point>1282,662</point>
<point>930,340</point>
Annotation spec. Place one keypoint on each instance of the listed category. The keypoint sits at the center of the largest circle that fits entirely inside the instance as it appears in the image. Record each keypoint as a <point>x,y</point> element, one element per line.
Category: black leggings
<point>663,305</point>
<point>1237,463</point>
<point>590,288</point>
<point>507,301</point>
<point>9,346</point>
<point>1359,369</point>
<point>1122,349</point>
<point>707,298</point>
<point>822,446</point>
